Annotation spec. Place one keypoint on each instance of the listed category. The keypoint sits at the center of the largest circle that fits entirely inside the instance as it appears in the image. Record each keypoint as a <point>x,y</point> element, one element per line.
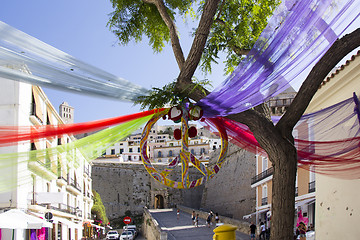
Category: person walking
<point>208,220</point>
<point>197,220</point>
<point>193,217</point>
<point>252,231</point>
<point>217,218</point>
<point>262,231</point>
<point>178,214</point>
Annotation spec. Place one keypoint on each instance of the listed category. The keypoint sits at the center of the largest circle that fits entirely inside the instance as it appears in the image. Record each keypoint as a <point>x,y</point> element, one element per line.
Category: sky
<point>79,29</point>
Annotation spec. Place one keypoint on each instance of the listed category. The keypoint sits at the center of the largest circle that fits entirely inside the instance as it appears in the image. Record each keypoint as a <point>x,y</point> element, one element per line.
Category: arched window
<point>159,154</point>
<point>170,153</point>
<point>192,151</point>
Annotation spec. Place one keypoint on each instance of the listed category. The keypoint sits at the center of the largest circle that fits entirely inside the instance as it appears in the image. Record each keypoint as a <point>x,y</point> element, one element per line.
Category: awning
<point>18,219</point>
<point>303,202</point>
<point>257,212</point>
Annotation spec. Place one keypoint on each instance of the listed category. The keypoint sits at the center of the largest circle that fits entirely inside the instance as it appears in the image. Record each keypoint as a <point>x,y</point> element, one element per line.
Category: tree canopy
<point>237,25</point>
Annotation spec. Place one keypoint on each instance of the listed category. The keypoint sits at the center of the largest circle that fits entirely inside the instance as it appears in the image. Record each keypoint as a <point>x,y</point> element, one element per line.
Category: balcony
<point>86,172</point>
<point>73,186</point>
<point>61,181</point>
<point>268,172</point>
<point>62,208</point>
<point>264,201</point>
<point>311,186</point>
<point>42,168</point>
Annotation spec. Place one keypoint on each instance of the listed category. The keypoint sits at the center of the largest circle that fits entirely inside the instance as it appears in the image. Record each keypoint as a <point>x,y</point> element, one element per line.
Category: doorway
<point>159,202</point>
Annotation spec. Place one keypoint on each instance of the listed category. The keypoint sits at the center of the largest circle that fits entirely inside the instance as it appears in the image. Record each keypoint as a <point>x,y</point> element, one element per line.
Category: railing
<point>264,201</point>
<point>268,172</point>
<point>61,207</point>
<point>62,178</point>
<point>86,171</point>
<point>311,186</point>
<point>71,182</point>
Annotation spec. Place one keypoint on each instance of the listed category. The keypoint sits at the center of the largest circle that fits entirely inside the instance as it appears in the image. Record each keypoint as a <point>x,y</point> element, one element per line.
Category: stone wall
<point>128,186</point>
<point>229,192</point>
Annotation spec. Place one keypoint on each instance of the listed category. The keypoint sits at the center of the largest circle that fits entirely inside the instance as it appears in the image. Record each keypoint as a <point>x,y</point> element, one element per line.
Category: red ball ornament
<point>192,132</point>
<point>177,134</point>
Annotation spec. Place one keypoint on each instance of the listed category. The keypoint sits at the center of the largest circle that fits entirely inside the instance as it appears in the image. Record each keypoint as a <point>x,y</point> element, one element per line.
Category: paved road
<point>183,228</point>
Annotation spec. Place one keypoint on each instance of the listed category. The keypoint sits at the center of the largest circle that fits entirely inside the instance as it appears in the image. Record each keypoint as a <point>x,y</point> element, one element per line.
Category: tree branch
<point>175,43</point>
<point>197,48</point>
<point>332,57</point>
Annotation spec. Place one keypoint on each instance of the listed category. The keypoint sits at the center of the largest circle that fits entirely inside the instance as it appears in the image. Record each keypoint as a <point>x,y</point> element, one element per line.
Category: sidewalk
<point>183,228</point>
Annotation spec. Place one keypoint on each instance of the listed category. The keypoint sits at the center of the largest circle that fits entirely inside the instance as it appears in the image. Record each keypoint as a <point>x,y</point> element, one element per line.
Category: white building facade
<point>51,183</point>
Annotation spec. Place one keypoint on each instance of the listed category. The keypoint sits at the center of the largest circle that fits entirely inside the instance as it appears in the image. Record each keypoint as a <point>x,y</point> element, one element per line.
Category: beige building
<point>337,200</point>
<point>262,181</point>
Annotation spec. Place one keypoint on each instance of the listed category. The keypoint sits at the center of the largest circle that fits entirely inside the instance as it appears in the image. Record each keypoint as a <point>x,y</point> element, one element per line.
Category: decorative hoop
<point>185,156</point>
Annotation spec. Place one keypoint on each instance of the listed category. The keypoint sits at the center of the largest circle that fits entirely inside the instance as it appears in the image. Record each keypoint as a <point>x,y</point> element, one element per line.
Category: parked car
<point>127,235</point>
<point>112,235</point>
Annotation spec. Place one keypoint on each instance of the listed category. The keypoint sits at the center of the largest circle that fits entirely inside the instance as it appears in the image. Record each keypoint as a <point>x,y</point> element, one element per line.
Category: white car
<point>112,235</point>
<point>131,228</point>
<point>127,235</point>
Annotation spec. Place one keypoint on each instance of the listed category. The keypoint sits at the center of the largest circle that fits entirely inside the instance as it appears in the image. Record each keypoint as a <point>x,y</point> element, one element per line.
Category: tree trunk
<point>284,159</point>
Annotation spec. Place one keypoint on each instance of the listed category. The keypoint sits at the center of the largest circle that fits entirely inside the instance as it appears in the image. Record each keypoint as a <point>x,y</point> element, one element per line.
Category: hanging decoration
<point>30,60</point>
<point>296,37</point>
<point>185,158</point>
<point>55,159</point>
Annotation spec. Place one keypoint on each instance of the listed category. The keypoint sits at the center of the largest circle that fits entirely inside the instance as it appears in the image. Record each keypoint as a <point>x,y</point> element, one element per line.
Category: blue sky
<point>79,29</point>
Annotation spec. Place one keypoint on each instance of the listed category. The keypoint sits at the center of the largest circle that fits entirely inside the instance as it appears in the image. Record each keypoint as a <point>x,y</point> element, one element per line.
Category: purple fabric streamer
<point>296,37</point>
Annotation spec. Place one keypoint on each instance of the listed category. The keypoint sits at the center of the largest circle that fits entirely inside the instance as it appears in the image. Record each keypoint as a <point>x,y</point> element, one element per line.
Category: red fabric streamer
<point>10,135</point>
<point>339,158</point>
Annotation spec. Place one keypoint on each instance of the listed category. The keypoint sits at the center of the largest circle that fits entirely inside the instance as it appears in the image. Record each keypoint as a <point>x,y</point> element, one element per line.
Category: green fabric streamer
<point>53,162</point>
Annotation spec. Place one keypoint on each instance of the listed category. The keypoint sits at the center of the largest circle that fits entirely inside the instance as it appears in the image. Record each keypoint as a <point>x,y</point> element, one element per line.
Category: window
<point>170,153</point>
<point>192,151</point>
<point>129,158</point>
<point>121,150</point>
<point>130,150</point>
<point>214,147</point>
<point>159,154</point>
<point>138,149</point>
<point>264,163</point>
<point>112,151</point>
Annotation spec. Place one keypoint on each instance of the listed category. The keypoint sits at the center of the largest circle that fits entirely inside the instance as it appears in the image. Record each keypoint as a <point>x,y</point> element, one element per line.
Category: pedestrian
<point>217,218</point>
<point>197,220</point>
<point>211,216</point>
<point>262,231</point>
<point>252,231</point>
<point>208,220</point>
<point>178,214</point>
<point>302,231</point>
<point>193,217</point>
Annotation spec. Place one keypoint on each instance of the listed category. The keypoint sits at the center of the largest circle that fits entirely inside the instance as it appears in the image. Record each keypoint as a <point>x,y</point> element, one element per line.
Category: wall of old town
<point>128,186</point>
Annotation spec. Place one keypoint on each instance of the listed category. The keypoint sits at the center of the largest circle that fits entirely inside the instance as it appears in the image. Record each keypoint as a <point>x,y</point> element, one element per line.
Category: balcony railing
<point>61,207</point>
<point>86,171</point>
<point>268,172</point>
<point>264,201</point>
<point>72,182</point>
<point>311,187</point>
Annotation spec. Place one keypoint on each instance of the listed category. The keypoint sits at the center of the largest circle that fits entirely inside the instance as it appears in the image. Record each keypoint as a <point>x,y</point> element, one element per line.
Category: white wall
<point>337,201</point>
